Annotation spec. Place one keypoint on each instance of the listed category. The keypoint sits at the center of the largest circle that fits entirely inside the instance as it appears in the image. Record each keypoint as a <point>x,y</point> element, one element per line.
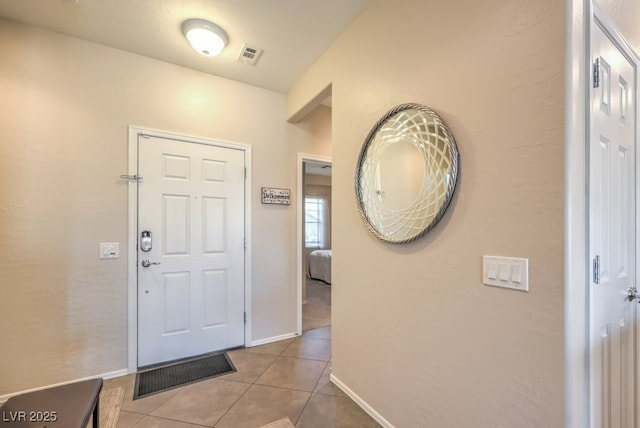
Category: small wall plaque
<point>273,195</point>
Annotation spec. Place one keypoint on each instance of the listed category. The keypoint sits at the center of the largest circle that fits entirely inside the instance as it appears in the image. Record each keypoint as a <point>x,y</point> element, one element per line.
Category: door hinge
<point>245,243</point>
<point>245,173</point>
<point>596,270</point>
<point>245,317</point>
<point>596,73</point>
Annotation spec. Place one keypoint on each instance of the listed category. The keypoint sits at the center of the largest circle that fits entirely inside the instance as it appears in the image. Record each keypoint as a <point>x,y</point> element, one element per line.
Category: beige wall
<point>624,13</point>
<point>317,180</point>
<point>65,107</point>
<point>415,333</point>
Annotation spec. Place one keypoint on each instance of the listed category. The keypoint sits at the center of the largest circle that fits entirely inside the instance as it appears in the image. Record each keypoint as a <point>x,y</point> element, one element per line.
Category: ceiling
<point>292,33</point>
<point>317,168</point>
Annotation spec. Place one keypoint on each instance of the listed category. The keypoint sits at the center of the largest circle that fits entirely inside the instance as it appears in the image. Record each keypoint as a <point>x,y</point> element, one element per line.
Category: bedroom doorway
<point>314,242</point>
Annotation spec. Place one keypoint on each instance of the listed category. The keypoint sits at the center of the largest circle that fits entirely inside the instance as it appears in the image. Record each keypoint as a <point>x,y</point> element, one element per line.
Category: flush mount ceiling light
<point>205,37</point>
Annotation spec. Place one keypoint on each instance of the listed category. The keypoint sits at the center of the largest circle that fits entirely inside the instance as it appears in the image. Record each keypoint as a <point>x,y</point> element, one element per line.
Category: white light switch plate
<point>109,250</point>
<point>506,272</point>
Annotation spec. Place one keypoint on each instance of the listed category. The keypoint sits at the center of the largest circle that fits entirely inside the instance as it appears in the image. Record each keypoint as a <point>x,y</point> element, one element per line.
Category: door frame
<point>302,158</point>
<point>580,17</point>
<point>132,257</point>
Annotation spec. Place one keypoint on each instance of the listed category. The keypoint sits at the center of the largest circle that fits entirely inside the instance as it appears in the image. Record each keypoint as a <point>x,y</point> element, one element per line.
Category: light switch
<point>516,274</point>
<point>109,250</point>
<point>506,272</point>
<point>492,271</point>
<point>503,268</point>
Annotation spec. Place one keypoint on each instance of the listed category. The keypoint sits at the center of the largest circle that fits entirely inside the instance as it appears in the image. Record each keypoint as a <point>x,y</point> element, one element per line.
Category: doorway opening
<point>314,242</point>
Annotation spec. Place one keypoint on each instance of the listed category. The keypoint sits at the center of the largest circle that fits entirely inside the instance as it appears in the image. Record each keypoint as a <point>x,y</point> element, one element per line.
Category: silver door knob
<point>632,294</point>
<point>146,263</point>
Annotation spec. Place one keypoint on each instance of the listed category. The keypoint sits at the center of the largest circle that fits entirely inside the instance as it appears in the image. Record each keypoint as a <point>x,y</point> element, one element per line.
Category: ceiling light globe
<point>205,37</point>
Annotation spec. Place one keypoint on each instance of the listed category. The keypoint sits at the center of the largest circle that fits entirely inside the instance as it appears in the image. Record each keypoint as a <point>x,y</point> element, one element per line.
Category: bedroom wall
<point>66,105</point>
<point>416,335</point>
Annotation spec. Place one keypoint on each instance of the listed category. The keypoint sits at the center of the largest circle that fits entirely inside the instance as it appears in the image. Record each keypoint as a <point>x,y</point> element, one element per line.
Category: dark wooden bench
<point>68,406</point>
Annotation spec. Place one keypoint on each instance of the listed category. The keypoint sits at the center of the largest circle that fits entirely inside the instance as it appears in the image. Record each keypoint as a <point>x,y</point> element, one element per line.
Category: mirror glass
<point>406,173</point>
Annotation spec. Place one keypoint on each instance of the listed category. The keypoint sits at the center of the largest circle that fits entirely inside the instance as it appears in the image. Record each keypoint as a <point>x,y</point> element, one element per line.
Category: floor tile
<point>128,419</point>
<point>249,365</point>
<point>155,422</point>
<point>272,381</point>
<point>146,404</point>
<point>275,348</point>
<point>319,333</point>
<point>317,311</point>
<point>293,373</point>
<point>262,405</point>
<point>309,348</point>
<point>328,411</point>
<point>203,402</point>
<point>325,386</point>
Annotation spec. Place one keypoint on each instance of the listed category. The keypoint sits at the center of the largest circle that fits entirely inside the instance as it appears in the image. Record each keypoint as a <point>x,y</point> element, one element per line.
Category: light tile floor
<point>287,378</point>
<point>316,312</point>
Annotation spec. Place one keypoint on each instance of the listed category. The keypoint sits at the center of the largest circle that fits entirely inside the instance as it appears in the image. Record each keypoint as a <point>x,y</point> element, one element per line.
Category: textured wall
<point>624,14</point>
<point>415,333</point>
<point>66,105</point>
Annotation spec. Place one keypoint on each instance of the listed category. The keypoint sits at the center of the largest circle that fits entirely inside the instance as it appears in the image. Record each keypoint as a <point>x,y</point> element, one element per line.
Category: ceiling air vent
<point>249,54</point>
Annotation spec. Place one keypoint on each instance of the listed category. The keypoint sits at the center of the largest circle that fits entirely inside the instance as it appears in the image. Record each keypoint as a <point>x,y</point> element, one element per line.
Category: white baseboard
<point>117,373</point>
<point>108,375</point>
<point>360,402</point>
<point>272,339</point>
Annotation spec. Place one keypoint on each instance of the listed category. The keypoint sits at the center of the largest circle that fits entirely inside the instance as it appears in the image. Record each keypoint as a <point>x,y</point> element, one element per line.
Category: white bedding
<point>319,264</point>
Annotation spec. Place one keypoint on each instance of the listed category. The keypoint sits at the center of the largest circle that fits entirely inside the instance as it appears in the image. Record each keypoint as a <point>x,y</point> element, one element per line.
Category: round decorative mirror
<point>406,173</point>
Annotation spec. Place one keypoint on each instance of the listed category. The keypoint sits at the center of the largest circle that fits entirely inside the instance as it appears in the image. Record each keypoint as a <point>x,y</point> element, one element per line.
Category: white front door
<point>191,280</point>
<point>612,238</point>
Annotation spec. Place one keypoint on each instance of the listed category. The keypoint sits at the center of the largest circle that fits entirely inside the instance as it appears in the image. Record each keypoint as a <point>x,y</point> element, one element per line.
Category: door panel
<point>612,211</point>
<point>215,222</point>
<point>215,295</point>
<point>176,302</point>
<point>192,201</point>
<point>175,224</point>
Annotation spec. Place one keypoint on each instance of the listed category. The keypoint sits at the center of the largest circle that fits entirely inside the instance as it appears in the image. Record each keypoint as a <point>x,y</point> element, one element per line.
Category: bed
<point>319,265</point>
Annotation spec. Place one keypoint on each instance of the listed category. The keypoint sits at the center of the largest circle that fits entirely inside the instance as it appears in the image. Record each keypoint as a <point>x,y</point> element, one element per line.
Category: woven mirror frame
<point>406,173</point>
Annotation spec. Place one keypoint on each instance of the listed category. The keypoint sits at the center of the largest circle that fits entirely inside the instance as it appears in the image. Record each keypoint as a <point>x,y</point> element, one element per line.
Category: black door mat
<point>181,373</point>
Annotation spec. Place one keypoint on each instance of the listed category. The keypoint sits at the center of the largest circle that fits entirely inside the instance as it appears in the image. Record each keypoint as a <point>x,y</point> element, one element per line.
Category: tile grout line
<point>253,383</point>
<point>169,419</point>
<point>311,394</point>
<point>314,386</point>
